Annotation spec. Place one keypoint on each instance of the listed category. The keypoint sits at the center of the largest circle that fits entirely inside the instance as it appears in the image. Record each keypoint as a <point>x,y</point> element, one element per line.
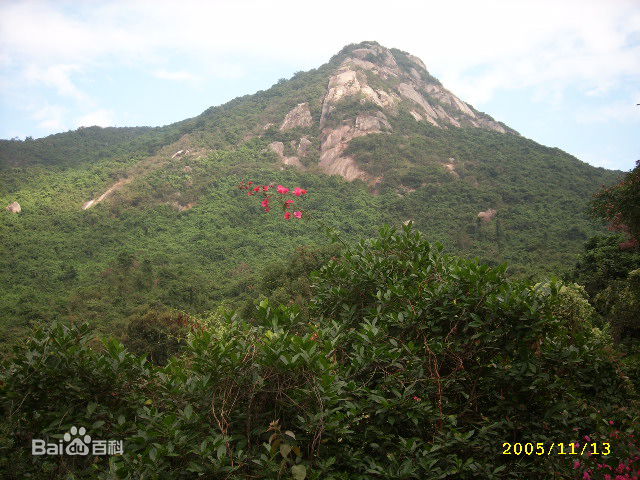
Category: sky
<point>563,73</point>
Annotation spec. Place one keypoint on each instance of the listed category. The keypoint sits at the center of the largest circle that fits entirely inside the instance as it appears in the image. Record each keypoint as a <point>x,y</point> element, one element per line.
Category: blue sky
<point>565,74</point>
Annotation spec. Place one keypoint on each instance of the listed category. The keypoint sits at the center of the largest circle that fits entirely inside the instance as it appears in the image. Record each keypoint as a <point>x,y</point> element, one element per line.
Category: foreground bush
<point>416,364</point>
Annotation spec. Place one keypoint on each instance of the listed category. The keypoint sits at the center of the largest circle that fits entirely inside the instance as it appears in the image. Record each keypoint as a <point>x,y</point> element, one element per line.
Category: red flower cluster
<point>597,467</point>
<point>266,202</point>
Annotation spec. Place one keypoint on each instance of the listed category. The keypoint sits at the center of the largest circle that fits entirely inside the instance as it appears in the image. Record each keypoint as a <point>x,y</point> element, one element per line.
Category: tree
<point>620,206</point>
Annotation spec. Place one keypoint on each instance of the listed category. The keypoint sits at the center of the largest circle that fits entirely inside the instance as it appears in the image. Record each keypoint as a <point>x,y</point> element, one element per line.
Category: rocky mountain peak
<point>388,77</point>
<point>368,87</point>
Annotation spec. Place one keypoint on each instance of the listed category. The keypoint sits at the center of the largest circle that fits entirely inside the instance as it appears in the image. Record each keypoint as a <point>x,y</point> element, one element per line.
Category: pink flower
<point>265,202</point>
<point>287,215</point>
<point>610,422</point>
<point>299,191</point>
<point>256,189</point>
<point>265,188</point>
<point>288,203</point>
<point>576,464</point>
<point>417,399</point>
<point>586,476</point>
<point>297,214</point>
<point>282,189</point>
<point>587,438</point>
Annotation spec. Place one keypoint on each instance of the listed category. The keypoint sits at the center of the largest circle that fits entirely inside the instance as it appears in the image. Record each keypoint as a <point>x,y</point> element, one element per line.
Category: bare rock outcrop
<point>440,107</point>
<point>278,149</point>
<point>346,82</point>
<point>487,215</point>
<point>14,207</point>
<point>374,58</point>
<point>450,166</point>
<point>183,208</point>
<point>180,153</point>
<point>397,84</point>
<point>408,91</point>
<point>304,147</point>
<point>299,116</point>
<point>335,142</point>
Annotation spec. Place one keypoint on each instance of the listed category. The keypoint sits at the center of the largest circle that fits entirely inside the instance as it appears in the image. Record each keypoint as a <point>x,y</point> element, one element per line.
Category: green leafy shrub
<point>412,363</point>
<point>157,333</point>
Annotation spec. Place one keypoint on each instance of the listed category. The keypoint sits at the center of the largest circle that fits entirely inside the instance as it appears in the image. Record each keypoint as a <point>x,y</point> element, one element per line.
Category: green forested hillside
<point>412,364</point>
<point>403,318</point>
<point>178,233</point>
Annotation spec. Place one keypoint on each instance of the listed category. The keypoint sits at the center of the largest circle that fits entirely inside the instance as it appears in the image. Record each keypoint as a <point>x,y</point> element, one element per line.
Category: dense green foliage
<point>609,268</point>
<point>620,205</point>
<point>74,147</point>
<point>192,245</point>
<point>99,265</point>
<point>238,344</point>
<point>541,194</point>
<point>415,364</point>
<point>62,262</point>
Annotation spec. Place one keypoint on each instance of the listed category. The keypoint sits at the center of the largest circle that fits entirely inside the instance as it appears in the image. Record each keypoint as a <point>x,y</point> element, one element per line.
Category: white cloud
<point>58,77</point>
<point>226,70</point>
<point>524,43</point>
<point>5,60</point>
<point>540,48</point>
<point>176,75</point>
<point>599,160</point>
<point>619,111</point>
<point>100,118</point>
<point>50,117</point>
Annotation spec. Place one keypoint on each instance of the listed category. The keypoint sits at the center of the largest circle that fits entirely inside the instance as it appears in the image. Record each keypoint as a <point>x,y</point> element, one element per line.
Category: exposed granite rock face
<point>440,107</point>
<point>382,81</point>
<point>14,207</point>
<point>487,215</point>
<point>304,147</point>
<point>451,167</point>
<point>278,149</point>
<point>183,208</point>
<point>346,82</point>
<point>374,58</point>
<point>408,91</point>
<point>335,142</point>
<point>180,153</point>
<point>299,116</point>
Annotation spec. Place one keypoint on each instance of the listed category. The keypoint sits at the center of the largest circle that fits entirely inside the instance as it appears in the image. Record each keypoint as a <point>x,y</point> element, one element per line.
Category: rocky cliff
<point>381,83</point>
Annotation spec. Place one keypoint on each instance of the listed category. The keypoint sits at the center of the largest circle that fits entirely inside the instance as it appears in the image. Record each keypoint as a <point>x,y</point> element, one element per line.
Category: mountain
<point>114,219</point>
